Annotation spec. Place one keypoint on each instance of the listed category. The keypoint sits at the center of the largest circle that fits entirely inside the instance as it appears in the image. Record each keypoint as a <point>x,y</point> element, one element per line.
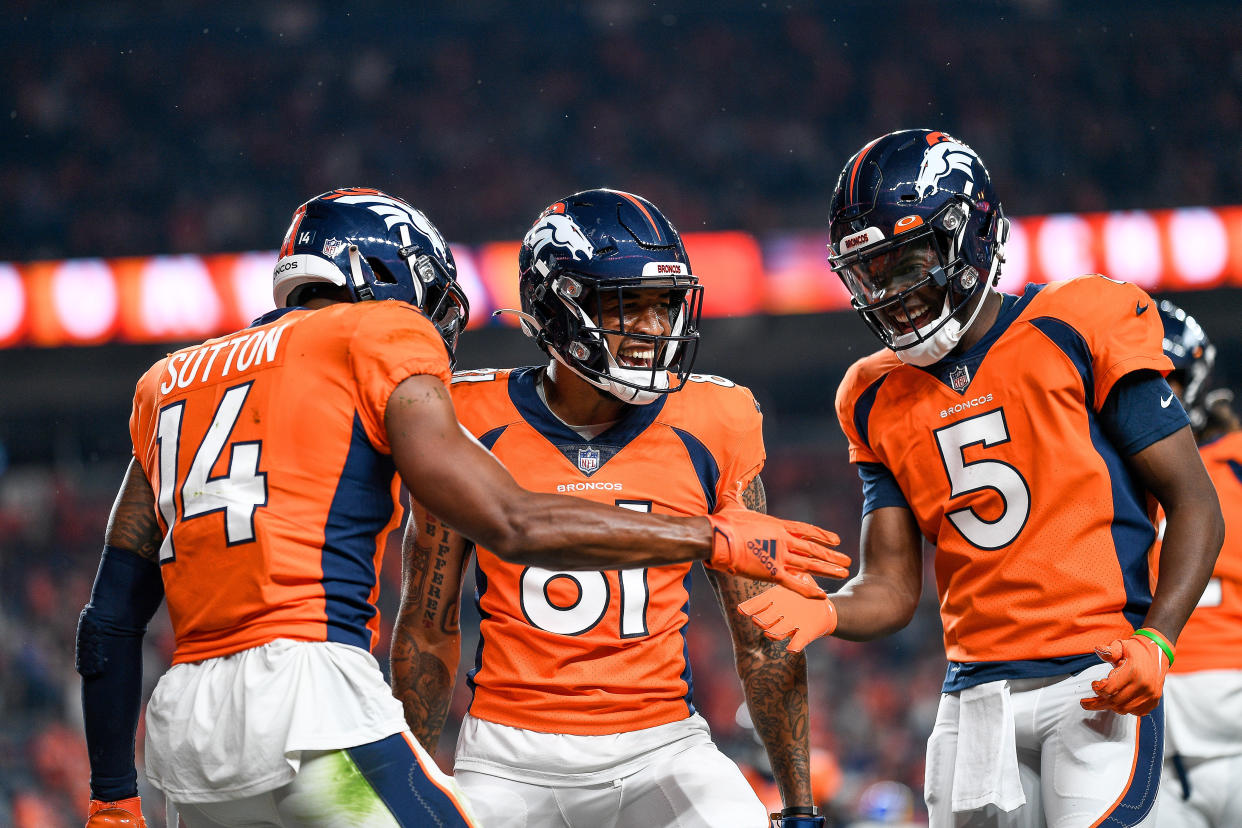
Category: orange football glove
<point>124,813</point>
<point>1136,682</point>
<point>781,614</point>
<point>768,548</point>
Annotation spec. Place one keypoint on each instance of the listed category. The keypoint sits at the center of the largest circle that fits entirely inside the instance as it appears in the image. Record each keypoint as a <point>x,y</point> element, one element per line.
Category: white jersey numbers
<point>237,493</point>
<point>965,477</point>
<point>591,596</point>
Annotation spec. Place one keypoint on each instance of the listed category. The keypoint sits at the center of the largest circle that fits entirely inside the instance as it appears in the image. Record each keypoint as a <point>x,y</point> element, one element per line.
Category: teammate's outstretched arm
<point>1172,470</point>
<point>128,590</point>
<point>878,601</point>
<point>426,638</point>
<point>454,477</point>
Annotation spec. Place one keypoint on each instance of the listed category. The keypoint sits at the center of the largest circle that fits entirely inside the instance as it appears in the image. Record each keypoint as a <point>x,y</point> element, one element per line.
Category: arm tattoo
<point>773,678</point>
<point>422,680</point>
<point>776,694</point>
<point>755,497</point>
<point>132,524</point>
<point>423,685</point>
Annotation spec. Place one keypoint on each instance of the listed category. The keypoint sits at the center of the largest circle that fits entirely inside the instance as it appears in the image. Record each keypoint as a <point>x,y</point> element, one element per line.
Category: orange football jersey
<point>600,652</point>
<point>273,475</point>
<point>1212,638</point>
<point>1041,535</point>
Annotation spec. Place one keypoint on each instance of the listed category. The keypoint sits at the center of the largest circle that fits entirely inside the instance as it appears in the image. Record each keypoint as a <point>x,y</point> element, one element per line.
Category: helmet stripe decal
<point>858,165</point>
<point>640,206</point>
<point>286,249</point>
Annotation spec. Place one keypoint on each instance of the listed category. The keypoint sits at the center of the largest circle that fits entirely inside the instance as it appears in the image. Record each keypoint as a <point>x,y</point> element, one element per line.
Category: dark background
<point>143,128</point>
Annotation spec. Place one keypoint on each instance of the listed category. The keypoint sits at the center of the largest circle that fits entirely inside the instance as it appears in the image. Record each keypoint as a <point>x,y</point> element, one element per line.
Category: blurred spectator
<point>132,131</point>
<point>885,804</point>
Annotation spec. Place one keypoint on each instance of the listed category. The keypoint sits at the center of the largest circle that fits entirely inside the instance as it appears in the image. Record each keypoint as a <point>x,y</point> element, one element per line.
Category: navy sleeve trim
<point>862,410</point>
<point>1141,410</point>
<point>880,488</point>
<point>489,439</point>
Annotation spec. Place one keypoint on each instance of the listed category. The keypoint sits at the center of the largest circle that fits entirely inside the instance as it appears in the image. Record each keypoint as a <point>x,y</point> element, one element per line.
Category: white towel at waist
<point>985,771</point>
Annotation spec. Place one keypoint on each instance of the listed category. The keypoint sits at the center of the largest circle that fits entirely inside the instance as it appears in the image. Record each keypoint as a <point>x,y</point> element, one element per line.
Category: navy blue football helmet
<point>376,246</point>
<point>914,218</point>
<point>590,251</point>
<point>1192,354</point>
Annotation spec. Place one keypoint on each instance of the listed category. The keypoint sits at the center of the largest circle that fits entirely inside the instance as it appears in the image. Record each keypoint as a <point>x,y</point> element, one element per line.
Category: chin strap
<point>983,298</point>
<point>937,346</point>
<point>998,253</point>
<point>355,271</point>
<point>530,325</point>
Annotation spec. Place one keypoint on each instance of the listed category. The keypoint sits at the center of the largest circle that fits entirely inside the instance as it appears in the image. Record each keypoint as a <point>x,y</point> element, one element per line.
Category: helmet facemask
<point>595,311</point>
<point>912,289</point>
<point>926,190</point>
<point>441,297</point>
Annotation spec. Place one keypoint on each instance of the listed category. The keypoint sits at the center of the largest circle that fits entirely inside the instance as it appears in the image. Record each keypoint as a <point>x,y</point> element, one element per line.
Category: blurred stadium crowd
<point>192,127</point>
<point>195,127</point>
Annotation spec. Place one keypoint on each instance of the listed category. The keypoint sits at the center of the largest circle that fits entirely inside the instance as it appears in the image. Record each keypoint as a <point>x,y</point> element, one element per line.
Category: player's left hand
<point>123,813</point>
<point>781,613</point>
<point>799,817</point>
<point>1136,682</point>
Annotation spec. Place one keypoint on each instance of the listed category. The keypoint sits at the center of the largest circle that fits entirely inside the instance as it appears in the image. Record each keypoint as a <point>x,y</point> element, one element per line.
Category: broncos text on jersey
<point>1041,535</point>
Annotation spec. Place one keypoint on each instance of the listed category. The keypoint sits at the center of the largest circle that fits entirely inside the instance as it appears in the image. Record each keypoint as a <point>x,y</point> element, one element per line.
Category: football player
<point>1025,438</point>
<point>262,488</point>
<point>582,710</point>
<point>1203,692</point>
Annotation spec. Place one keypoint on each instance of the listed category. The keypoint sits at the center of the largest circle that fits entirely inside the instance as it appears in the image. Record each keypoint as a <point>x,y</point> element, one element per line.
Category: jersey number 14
<point>237,493</point>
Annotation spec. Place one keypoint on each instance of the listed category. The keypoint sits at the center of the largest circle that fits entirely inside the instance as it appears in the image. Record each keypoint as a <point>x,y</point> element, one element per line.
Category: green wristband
<point>1160,640</point>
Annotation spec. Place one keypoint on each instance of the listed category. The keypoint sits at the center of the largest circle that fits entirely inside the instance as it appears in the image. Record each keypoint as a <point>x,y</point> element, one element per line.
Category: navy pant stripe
<point>392,768</point>
<point>1140,794</point>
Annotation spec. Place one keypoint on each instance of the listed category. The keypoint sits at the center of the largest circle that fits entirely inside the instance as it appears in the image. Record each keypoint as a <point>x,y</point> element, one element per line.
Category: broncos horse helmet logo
<point>394,211</point>
<point>943,159</point>
<point>560,230</point>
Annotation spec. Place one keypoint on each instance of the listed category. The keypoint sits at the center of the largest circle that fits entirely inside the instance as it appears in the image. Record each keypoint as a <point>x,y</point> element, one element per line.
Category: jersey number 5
<point>1002,478</point>
<point>237,493</point>
<point>588,610</point>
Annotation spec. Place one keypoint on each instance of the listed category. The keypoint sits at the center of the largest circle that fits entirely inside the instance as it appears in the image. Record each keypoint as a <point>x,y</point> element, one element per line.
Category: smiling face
<point>900,287</point>
<point>639,315</point>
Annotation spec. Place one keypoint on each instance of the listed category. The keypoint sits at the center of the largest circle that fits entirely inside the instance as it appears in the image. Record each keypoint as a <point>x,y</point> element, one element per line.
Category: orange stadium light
<point>13,306</point>
<point>730,265</point>
<point>185,297</point>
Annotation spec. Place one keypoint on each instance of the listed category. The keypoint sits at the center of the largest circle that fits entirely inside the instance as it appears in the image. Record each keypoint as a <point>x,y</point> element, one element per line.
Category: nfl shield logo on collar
<point>588,460</point>
<point>959,378</point>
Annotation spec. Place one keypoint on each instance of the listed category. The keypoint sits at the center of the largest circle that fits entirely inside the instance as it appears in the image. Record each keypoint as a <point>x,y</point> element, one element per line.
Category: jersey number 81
<point>593,596</point>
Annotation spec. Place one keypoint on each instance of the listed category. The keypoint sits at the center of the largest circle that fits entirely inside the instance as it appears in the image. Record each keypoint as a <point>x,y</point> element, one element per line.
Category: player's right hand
<point>768,548</point>
<point>781,613</point>
<point>123,813</point>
